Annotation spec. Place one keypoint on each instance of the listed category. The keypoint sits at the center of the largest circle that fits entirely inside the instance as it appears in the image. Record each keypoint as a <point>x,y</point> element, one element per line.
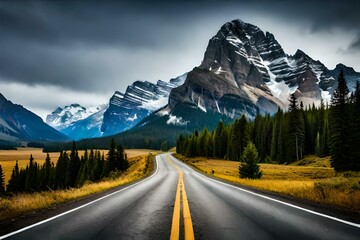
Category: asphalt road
<point>145,210</point>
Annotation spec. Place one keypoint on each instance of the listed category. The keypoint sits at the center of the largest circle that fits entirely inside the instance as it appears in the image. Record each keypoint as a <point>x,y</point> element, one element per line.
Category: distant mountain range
<point>244,71</point>
<point>123,112</point>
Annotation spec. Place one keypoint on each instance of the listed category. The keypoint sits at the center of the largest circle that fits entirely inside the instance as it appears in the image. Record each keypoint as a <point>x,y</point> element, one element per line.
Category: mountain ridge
<point>244,71</point>
<point>19,124</point>
<point>123,111</point>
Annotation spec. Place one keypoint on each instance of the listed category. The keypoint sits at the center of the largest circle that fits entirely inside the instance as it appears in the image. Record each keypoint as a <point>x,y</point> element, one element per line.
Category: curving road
<point>145,210</point>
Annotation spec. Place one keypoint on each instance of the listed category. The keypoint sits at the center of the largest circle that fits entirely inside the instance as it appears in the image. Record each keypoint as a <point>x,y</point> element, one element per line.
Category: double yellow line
<point>180,190</point>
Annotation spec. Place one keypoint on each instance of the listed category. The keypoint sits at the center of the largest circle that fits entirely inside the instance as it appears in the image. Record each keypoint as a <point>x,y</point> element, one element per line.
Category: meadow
<point>310,179</point>
<point>141,165</point>
<point>22,155</point>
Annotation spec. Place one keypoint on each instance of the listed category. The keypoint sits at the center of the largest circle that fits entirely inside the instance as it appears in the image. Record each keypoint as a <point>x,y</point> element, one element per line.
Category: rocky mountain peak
<point>61,118</point>
<point>2,98</point>
<point>245,70</point>
<point>345,68</point>
<point>300,54</point>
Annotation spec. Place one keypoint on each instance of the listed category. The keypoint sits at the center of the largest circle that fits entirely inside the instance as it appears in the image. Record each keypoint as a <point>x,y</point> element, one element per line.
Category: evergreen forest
<point>328,130</point>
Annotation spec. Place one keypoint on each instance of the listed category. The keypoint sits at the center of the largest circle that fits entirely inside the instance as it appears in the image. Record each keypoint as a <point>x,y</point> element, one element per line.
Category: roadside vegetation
<point>13,204</point>
<point>288,136</point>
<point>328,136</point>
<point>307,179</point>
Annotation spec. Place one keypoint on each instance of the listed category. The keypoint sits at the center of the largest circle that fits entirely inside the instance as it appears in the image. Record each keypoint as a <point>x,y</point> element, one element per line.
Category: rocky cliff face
<point>140,100</point>
<point>124,110</point>
<point>246,71</point>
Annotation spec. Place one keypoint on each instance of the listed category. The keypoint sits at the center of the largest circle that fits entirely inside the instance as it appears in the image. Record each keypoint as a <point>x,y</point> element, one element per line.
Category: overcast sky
<point>54,53</point>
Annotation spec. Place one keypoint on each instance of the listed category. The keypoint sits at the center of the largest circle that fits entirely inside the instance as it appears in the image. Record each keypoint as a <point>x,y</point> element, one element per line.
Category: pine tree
<point>209,149</point>
<point>276,136</point>
<point>47,172</point>
<point>249,167</point>
<point>13,184</point>
<point>355,160</point>
<point>320,137</point>
<point>97,171</point>
<point>339,132</point>
<point>201,141</point>
<point>244,133</point>
<point>81,177</point>
<point>191,146</point>
<point>219,152</point>
<point>224,141</point>
<point>60,172</point>
<point>123,163</point>
<point>180,144</point>
<point>111,157</point>
<point>235,141</point>
<point>73,167</point>
<point>2,182</point>
<point>164,146</point>
<point>31,176</point>
<point>296,131</point>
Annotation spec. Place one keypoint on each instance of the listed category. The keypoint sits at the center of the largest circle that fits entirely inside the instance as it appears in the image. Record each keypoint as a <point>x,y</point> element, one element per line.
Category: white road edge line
<point>75,209</point>
<point>273,199</point>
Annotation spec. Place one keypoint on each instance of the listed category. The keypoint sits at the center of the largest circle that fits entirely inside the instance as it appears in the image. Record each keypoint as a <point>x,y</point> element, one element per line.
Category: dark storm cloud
<point>323,15</point>
<point>90,45</point>
<point>355,45</point>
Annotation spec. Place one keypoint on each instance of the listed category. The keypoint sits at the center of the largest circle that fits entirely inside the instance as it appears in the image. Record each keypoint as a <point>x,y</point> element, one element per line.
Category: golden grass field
<point>310,181</point>
<point>24,203</point>
<point>9,157</point>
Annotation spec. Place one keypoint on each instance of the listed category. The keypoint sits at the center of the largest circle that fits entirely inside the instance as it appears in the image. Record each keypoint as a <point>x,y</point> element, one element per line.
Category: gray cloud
<point>355,44</point>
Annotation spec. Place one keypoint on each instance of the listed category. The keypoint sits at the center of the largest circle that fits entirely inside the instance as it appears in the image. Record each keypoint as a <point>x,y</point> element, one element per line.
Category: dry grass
<point>313,161</point>
<point>9,157</point>
<point>24,203</point>
<point>310,182</point>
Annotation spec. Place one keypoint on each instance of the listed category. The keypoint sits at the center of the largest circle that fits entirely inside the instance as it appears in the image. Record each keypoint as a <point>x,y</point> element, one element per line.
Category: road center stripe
<point>175,228</point>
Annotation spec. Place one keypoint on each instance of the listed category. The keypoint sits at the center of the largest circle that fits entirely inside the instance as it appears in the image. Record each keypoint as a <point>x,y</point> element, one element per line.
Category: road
<point>177,201</point>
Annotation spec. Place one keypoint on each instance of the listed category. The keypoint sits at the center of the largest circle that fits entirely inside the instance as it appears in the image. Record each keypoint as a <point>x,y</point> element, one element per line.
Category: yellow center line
<point>175,228</point>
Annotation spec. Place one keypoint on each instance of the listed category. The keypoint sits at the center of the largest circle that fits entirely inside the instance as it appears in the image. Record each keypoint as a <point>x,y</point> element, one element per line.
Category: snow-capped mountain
<point>139,100</point>
<point>19,124</point>
<point>124,110</point>
<point>78,122</point>
<point>351,76</point>
<point>62,118</point>
<point>89,127</point>
<point>245,70</point>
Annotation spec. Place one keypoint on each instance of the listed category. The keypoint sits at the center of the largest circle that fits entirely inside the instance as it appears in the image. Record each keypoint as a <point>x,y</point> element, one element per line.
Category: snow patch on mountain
<point>132,118</point>
<point>88,127</point>
<point>174,120</point>
<point>153,105</point>
<point>62,118</point>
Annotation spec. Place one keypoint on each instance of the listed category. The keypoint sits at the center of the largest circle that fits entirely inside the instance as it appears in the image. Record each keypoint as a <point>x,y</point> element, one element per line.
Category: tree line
<point>288,136</point>
<point>70,171</point>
